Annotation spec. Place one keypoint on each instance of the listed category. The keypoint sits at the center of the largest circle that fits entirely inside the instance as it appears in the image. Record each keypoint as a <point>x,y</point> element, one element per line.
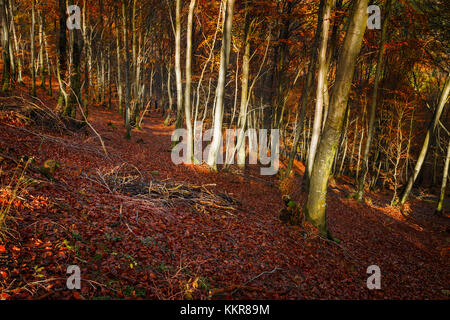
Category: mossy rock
<point>49,168</point>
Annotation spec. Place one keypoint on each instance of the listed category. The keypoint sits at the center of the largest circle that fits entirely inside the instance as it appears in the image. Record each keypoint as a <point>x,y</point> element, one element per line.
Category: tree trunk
<point>127,70</point>
<point>244,93</point>
<point>440,205</point>
<point>62,54</point>
<point>305,94</point>
<point>169,95</point>
<point>41,50</point>
<point>119,70</point>
<point>220,91</point>
<point>187,92</point>
<point>321,82</point>
<point>179,121</point>
<point>33,70</point>
<point>75,98</point>
<point>16,44</point>
<point>373,105</point>
<point>5,46</point>
<point>426,144</point>
<point>315,208</point>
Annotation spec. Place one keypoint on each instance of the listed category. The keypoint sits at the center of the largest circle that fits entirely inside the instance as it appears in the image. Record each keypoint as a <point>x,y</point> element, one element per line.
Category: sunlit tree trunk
<point>304,99</point>
<point>187,92</point>
<point>179,121</point>
<point>47,57</point>
<point>321,82</point>
<point>440,205</point>
<point>16,44</point>
<point>220,91</point>
<point>41,50</point>
<point>315,207</point>
<point>169,95</point>
<point>426,144</point>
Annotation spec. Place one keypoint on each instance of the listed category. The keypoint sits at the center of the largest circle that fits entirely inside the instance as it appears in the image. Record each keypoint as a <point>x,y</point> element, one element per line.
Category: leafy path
<point>130,247</point>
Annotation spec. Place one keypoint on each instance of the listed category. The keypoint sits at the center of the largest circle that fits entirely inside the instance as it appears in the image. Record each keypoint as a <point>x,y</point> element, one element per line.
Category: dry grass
<point>11,195</point>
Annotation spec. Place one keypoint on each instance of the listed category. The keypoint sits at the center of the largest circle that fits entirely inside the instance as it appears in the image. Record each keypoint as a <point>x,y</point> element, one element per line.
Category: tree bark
<point>119,70</point>
<point>33,70</point>
<point>220,91</point>
<point>244,93</point>
<point>127,71</point>
<point>187,92</point>
<point>75,98</point>
<point>440,205</point>
<point>62,54</point>
<point>315,208</point>
<point>179,121</point>
<point>5,46</point>
<point>321,82</point>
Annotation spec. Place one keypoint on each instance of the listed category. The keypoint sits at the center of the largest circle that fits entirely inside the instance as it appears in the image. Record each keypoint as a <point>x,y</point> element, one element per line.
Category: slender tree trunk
<point>430,134</point>
<point>322,74</point>
<point>169,95</point>
<point>220,91</point>
<point>47,57</point>
<point>315,208</point>
<point>440,205</point>
<point>127,70</point>
<point>16,44</point>
<point>41,50</point>
<point>373,105</point>
<point>244,93</point>
<point>305,94</point>
<point>5,46</point>
<point>187,92</point>
<point>179,121</point>
<point>62,55</point>
<point>119,70</point>
<point>75,98</point>
<point>33,70</point>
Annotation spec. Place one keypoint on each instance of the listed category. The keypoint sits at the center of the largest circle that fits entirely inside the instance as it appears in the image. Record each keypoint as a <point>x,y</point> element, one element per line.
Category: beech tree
<point>220,91</point>
<point>315,207</point>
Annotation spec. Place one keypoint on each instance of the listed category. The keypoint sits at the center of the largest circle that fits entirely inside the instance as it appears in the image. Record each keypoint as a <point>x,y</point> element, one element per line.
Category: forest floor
<point>139,226</point>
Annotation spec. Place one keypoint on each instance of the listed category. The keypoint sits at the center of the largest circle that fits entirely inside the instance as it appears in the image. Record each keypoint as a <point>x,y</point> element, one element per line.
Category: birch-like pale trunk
<point>304,99</point>
<point>321,82</point>
<point>187,92</point>
<point>440,205</point>
<point>179,84</point>
<point>220,91</point>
